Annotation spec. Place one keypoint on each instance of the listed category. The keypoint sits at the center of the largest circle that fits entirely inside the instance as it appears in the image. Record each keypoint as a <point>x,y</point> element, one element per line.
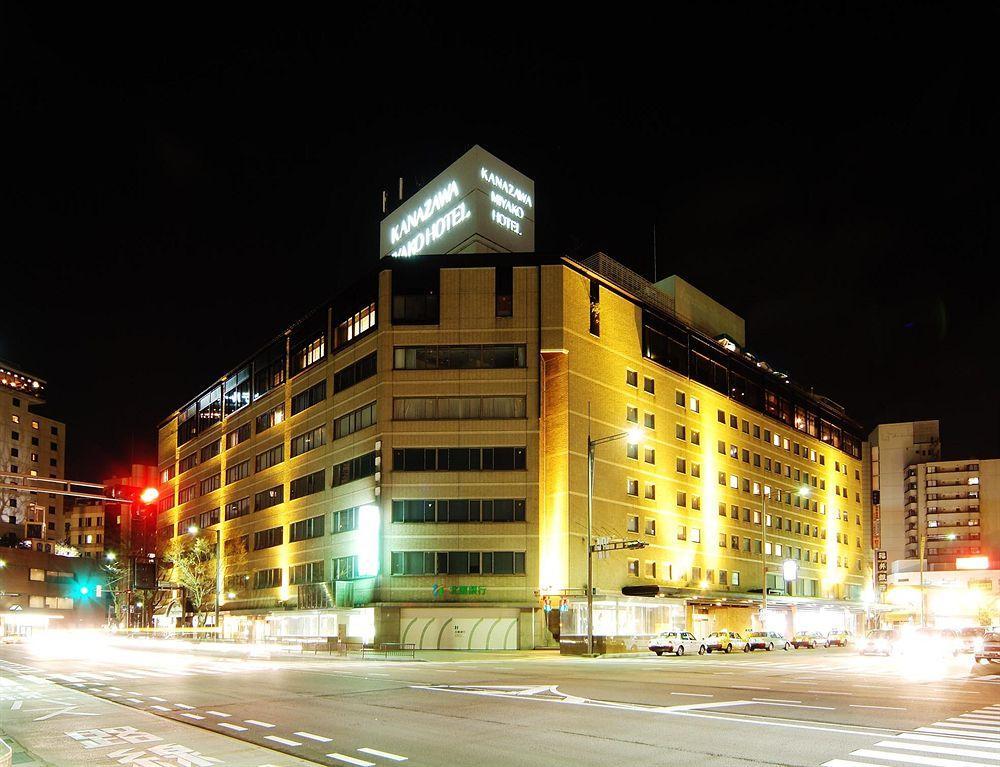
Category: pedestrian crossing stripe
<point>968,740</point>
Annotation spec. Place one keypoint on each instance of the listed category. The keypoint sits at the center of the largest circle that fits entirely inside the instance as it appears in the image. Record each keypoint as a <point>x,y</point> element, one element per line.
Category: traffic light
<point>140,498</point>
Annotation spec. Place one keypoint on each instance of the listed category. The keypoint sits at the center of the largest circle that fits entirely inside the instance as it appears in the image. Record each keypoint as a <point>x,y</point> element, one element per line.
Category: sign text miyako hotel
<point>478,204</point>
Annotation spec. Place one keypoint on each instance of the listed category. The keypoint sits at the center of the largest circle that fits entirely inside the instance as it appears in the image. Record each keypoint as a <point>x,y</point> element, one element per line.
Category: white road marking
<point>931,761</point>
<point>161,708</point>
<point>830,692</point>
<point>887,708</point>
<point>847,763</point>
<point>259,724</point>
<point>963,733</point>
<point>112,695</point>
<point>192,716</point>
<point>936,749</point>
<point>183,705</point>
<point>796,705</point>
<point>945,739</point>
<point>693,694</point>
<point>351,760</point>
<point>218,713</point>
<point>776,700</point>
<point>748,687</point>
<point>959,722</point>
<point>15,705</point>
<point>134,700</point>
<point>162,700</point>
<point>310,736</point>
<point>283,741</point>
<point>236,727</point>
<point>383,754</point>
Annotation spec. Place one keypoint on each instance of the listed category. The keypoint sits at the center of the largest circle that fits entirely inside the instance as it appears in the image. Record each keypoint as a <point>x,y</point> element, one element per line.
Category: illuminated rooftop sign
<point>478,204</point>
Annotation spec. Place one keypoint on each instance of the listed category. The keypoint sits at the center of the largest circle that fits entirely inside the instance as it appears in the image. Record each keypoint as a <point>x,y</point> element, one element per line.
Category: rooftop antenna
<point>400,188</point>
<point>385,201</point>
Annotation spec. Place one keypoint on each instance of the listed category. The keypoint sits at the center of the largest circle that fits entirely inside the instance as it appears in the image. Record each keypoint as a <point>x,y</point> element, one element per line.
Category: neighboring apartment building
<point>414,455</point>
<point>954,506</point>
<point>31,445</point>
<point>92,527</point>
<point>891,448</point>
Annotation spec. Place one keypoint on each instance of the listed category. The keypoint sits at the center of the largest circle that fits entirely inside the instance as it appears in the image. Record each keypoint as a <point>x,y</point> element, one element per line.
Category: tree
<point>192,567</point>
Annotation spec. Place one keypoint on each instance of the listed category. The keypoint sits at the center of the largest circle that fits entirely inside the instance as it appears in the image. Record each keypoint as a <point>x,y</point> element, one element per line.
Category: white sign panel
<point>479,204</point>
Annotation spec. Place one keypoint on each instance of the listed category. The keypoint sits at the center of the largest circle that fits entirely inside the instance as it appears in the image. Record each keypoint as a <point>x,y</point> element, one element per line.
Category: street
<point>827,707</point>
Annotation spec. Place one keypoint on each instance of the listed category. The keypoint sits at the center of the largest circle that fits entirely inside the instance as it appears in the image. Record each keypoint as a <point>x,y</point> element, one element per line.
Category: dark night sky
<point>177,188</point>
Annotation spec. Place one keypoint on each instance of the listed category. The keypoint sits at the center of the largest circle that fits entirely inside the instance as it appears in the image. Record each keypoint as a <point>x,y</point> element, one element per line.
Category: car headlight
<point>978,644</point>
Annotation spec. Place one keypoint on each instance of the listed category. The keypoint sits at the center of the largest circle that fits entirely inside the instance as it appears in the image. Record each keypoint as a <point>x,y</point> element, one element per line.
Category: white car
<point>726,641</point>
<point>677,642</point>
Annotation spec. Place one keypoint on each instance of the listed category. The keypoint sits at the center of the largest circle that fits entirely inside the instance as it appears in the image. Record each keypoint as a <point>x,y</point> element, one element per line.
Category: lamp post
<point>765,493</point>
<point>634,434</point>
<point>218,570</point>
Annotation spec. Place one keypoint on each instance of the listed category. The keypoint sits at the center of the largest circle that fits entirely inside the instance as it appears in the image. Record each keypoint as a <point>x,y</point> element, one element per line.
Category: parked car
<point>932,642</point>
<point>990,650</point>
<point>972,637</point>
<point>880,642</point>
<point>809,639</point>
<point>838,638</point>
<point>767,640</point>
<point>677,642</point>
<point>726,641</point>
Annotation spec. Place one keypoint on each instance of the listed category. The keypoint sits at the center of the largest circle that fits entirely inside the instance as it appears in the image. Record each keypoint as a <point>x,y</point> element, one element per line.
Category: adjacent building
<point>31,445</point>
<point>409,461</point>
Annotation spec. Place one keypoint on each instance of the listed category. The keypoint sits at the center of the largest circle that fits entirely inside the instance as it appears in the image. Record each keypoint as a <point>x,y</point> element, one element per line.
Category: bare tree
<point>192,564</point>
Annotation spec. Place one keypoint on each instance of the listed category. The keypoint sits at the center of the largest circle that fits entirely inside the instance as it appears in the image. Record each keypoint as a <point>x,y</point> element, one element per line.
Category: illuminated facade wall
<point>469,438</point>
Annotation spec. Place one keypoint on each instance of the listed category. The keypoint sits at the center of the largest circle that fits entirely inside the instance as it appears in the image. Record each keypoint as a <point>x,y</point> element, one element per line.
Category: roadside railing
<point>6,755</point>
<point>389,650</point>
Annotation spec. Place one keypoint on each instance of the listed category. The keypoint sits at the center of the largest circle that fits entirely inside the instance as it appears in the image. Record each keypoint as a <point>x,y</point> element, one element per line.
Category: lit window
<point>695,405</point>
<point>696,534</point>
<point>633,567</point>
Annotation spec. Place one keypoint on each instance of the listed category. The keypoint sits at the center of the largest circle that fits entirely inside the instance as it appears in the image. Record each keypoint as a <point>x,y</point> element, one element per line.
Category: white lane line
<point>931,761</point>
<point>977,718</point>
<point>383,754</point>
<point>134,700</point>
<point>351,760</point>
<point>236,727</point>
<point>162,700</point>
<point>183,705</point>
<point>112,687</point>
<point>946,750</point>
<point>161,708</point>
<point>192,716</point>
<point>283,741</point>
<point>776,700</point>
<point>218,713</point>
<point>830,692</point>
<point>133,692</point>
<point>259,724</point>
<point>310,736</point>
<point>112,694</point>
<point>887,708</point>
<point>958,722</point>
<point>693,694</point>
<point>748,687</point>
<point>796,705</point>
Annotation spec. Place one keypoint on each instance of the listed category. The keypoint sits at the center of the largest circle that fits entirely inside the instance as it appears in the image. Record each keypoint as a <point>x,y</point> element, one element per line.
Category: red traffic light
<point>149,495</point>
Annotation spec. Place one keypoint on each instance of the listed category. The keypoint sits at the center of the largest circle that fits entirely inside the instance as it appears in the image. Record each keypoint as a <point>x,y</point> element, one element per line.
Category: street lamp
<point>634,434</point>
<point>193,530</point>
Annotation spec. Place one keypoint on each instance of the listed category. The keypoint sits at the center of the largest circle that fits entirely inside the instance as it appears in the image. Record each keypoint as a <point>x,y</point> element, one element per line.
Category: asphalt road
<point>804,708</point>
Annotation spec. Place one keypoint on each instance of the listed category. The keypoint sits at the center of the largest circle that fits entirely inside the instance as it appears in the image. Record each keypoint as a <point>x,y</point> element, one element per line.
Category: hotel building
<point>408,463</point>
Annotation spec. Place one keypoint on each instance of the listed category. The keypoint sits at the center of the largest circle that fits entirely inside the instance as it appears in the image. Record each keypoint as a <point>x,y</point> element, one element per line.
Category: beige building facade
<point>408,464</point>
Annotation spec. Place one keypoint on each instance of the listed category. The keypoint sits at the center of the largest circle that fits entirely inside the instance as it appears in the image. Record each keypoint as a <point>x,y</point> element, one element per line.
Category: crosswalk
<point>967,740</point>
<point>207,668</point>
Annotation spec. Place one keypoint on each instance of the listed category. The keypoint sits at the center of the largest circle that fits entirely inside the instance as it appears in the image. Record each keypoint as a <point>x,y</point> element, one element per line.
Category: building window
<point>265,499</point>
<point>188,462</point>
<point>238,508</point>
<point>648,385</point>
<point>441,408</point>
<point>650,528</point>
<point>650,455</point>
<point>470,357</point>
<point>306,528</point>
<point>632,523</point>
<point>238,435</point>
<point>307,342</point>
<point>311,396</point>
<point>308,572</point>
<point>266,539</point>
<point>633,568</point>
<point>237,472</point>
<point>186,494</point>
<point>631,414</point>
<point>650,491</point>
<point>272,417</point>
<point>345,520</point>
<point>236,391</point>
<point>459,510</point>
<point>269,458</point>
<point>459,459</point>
<point>355,326</point>
<point>355,373</point>
<point>679,398</point>
<point>649,420</point>
<point>269,369</point>
<point>307,485</point>
<point>416,296</point>
<point>457,563</point>
<point>632,378</point>
<point>210,451</point>
<point>310,440</point>
<point>267,579</point>
<point>355,468</point>
<point>632,450</point>
<point>210,485</point>
<point>632,487</point>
